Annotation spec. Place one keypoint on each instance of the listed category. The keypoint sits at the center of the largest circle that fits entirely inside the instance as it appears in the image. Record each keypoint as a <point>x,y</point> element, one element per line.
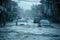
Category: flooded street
<point>29,33</point>
<point>29,19</point>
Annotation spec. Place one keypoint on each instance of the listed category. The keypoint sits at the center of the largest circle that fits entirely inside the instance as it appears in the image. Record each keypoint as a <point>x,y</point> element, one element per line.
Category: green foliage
<point>37,13</point>
<point>54,6</point>
<point>8,11</point>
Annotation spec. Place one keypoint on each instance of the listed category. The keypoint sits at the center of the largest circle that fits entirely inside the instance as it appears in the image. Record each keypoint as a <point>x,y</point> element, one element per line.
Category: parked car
<point>45,23</point>
<point>22,22</point>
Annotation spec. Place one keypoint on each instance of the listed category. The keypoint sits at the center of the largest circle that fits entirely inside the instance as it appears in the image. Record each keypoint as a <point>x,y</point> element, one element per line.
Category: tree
<point>52,12</point>
<point>8,10</point>
<point>37,12</point>
<point>3,4</point>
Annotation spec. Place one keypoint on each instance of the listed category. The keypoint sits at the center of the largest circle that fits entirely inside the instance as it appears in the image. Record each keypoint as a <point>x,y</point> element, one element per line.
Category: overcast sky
<point>27,4</point>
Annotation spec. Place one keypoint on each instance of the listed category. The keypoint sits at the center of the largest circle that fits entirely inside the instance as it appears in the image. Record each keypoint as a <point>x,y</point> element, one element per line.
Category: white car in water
<point>22,22</point>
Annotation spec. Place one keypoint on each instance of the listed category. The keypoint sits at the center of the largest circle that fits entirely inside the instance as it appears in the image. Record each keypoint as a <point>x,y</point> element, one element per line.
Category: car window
<point>44,22</point>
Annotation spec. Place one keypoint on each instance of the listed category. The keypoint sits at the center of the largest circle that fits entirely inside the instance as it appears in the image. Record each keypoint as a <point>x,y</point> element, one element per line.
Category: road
<point>30,32</point>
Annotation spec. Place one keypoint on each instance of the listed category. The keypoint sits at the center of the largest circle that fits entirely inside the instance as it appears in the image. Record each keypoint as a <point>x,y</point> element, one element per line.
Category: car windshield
<point>44,21</point>
<point>22,21</point>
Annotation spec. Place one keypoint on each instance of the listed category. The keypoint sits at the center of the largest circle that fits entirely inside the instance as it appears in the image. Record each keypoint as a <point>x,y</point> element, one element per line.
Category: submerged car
<point>22,22</point>
<point>45,23</point>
